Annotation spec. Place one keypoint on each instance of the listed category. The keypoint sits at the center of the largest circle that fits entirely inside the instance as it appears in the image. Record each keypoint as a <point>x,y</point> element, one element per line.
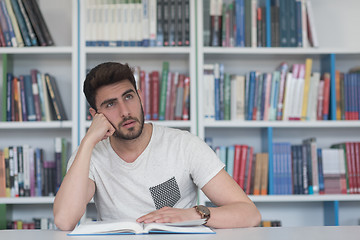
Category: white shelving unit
<point>61,61</point>
<point>292,210</point>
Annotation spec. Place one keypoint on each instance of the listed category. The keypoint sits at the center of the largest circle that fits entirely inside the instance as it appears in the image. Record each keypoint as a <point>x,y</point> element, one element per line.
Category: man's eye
<point>109,104</point>
<point>128,97</point>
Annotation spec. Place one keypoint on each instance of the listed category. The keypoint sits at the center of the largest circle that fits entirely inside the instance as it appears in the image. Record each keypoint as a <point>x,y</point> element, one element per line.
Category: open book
<point>133,227</point>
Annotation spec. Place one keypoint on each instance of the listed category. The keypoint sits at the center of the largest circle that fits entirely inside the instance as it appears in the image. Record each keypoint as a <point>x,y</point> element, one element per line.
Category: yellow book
<point>308,66</point>
<point>257,177</point>
<point>338,95</point>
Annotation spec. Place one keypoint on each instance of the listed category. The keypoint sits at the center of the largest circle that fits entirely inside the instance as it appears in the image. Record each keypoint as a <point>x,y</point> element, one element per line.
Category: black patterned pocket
<point>166,194</point>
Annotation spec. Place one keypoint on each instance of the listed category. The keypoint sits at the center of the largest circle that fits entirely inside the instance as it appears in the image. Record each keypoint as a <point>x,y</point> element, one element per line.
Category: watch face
<point>204,210</point>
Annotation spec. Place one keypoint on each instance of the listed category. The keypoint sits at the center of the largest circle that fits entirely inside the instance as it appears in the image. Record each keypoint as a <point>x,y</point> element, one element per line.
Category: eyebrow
<point>114,99</point>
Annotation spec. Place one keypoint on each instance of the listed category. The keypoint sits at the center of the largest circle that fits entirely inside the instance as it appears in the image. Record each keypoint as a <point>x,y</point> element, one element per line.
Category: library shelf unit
<point>59,61</point>
<point>181,59</point>
<point>338,51</point>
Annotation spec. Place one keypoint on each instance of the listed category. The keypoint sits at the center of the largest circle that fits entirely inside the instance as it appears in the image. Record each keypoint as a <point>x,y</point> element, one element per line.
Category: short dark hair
<point>105,74</point>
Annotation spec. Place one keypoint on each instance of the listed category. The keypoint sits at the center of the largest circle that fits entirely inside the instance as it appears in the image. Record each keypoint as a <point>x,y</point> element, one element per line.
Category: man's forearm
<point>73,195</point>
<point>235,215</point>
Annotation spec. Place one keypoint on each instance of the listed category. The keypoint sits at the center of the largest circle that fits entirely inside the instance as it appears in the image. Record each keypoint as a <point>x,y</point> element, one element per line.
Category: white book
<point>311,25</point>
<point>288,96</point>
<point>126,23</point>
<point>139,23</point>
<point>209,91</point>
<point>237,102</point>
<point>152,22</point>
<point>145,23</point>
<point>105,22</point>
<point>112,18</point>
<point>304,24</point>
<point>313,93</point>
<point>132,23</point>
<point>133,227</point>
<point>119,22</point>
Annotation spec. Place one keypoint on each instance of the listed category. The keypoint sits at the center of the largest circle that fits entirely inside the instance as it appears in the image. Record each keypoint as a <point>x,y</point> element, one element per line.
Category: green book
<point>4,93</point>
<point>163,89</point>
<point>227,97</point>
<point>2,216</point>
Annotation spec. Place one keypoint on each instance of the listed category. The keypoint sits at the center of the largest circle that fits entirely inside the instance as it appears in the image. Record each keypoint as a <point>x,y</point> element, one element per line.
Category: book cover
<point>29,28</point>
<point>186,99</point>
<point>163,90</point>
<point>132,227</point>
<point>179,97</point>
<point>154,86</point>
<point>55,97</point>
<point>15,24</point>
<point>215,22</point>
<point>5,12</point>
<point>35,22</point>
<point>36,96</point>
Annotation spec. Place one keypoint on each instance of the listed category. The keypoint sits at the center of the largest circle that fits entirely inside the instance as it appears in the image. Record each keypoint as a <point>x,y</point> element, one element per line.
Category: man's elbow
<point>256,219</point>
<point>63,223</point>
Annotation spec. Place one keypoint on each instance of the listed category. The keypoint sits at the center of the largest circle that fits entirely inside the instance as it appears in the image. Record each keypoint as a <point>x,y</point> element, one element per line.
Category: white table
<point>264,233</point>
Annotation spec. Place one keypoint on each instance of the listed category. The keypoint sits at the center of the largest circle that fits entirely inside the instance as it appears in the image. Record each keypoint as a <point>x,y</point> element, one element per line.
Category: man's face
<point>121,105</point>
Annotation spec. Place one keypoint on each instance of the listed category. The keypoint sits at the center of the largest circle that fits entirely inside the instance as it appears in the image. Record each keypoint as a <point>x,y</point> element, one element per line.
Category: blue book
<point>230,160</point>
<point>21,22</point>
<point>30,105</point>
<point>251,95</point>
<point>320,170</point>
<point>38,171</point>
<point>299,23</point>
<point>9,24</point>
<point>222,88</point>
<point>5,28</point>
<point>240,23</point>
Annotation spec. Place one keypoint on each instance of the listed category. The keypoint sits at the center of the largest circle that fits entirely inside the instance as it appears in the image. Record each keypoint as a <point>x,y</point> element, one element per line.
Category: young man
<point>140,170</point>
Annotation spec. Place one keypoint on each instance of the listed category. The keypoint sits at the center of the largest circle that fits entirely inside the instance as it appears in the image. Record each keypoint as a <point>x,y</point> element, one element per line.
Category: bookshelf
<point>60,61</point>
<point>181,59</point>
<point>342,53</point>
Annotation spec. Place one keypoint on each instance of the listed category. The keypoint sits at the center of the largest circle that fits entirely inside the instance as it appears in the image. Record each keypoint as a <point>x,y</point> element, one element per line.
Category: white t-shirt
<point>168,173</point>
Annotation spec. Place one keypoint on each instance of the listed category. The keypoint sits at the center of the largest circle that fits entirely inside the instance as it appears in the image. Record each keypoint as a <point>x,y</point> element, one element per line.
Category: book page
<point>194,226</point>
<point>106,227</point>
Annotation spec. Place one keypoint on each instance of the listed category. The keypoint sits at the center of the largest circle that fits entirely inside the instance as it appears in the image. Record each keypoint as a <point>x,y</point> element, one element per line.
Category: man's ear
<point>92,111</point>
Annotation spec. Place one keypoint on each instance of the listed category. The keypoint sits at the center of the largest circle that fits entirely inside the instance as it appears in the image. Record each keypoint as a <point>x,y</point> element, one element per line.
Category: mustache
<point>127,119</point>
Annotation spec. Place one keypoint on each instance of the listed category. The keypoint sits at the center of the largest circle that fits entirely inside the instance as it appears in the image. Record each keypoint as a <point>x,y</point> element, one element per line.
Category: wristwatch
<point>203,211</point>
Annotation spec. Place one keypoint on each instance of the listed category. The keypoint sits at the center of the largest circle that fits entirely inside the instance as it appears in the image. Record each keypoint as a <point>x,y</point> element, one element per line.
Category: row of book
<point>32,97</point>
<point>146,23</point>
<point>270,223</point>
<point>288,93</point>
<point>27,172</point>
<point>294,168</point>
<point>165,96</point>
<point>22,24</point>
<point>259,23</point>
<point>36,223</point>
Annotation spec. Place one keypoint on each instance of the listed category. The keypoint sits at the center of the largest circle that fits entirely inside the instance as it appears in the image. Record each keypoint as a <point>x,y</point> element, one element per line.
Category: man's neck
<point>130,150</point>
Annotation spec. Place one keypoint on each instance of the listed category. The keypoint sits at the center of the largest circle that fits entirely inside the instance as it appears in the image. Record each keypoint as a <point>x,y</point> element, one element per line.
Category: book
<point>55,97</point>
<point>132,227</point>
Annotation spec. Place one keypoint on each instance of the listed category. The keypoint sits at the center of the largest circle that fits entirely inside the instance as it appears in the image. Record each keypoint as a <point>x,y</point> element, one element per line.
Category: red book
<point>237,158</point>
<point>243,156</point>
<point>349,167</point>
<point>326,101</point>
<point>249,169</point>
<point>357,166</point>
<point>154,91</point>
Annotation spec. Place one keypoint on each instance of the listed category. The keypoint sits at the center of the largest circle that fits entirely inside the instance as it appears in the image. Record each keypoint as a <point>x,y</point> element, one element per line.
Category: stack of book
<point>146,23</point>
<point>165,95</point>
<point>288,93</point>
<point>32,97</point>
<point>27,173</point>
<point>22,24</point>
<point>294,168</point>
<point>259,23</point>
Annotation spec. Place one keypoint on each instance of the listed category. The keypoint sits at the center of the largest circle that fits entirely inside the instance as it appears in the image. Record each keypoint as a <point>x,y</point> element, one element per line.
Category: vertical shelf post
<point>331,213</point>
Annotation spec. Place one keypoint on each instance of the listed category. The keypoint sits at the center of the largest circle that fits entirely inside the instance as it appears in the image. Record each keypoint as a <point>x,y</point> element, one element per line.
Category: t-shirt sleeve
<point>71,160</point>
<point>204,163</point>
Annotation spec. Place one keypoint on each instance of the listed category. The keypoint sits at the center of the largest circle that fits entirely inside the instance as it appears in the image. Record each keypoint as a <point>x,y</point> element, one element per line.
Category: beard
<point>133,132</point>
